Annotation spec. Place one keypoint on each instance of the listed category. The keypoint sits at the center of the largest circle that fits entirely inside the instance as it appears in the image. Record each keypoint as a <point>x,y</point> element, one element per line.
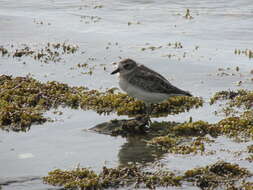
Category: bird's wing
<point>151,81</point>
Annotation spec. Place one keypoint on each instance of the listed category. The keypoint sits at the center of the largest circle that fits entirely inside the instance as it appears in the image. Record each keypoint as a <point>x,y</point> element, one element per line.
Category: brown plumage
<point>151,81</point>
<point>146,79</point>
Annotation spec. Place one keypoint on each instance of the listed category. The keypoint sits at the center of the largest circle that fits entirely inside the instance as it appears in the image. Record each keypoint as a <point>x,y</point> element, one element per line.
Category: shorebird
<point>145,84</point>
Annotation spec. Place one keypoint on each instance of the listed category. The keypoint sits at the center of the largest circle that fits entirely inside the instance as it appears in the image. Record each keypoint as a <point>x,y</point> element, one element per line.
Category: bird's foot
<point>148,119</point>
<point>145,119</point>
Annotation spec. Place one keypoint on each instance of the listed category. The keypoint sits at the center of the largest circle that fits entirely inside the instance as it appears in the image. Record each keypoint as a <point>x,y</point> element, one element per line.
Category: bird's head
<point>125,66</point>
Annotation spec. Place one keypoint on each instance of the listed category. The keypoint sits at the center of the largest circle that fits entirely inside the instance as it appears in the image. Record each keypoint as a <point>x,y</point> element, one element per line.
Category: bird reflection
<point>136,150</point>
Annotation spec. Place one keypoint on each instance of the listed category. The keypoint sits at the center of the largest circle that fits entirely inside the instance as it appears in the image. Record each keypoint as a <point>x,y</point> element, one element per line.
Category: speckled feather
<point>151,81</point>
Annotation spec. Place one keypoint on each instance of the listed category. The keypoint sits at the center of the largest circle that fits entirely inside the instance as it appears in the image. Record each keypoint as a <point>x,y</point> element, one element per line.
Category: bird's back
<point>151,81</point>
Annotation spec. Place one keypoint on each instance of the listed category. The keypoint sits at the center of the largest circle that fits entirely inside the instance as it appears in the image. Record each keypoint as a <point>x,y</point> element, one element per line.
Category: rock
<point>123,127</point>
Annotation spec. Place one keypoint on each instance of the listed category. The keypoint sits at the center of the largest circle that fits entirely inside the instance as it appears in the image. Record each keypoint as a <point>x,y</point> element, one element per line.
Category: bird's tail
<point>187,93</point>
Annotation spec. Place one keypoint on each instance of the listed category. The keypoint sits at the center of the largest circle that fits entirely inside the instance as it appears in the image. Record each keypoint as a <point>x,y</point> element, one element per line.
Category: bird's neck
<point>129,74</point>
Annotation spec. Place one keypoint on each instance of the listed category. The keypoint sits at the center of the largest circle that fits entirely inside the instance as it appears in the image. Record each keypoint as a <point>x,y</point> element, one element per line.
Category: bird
<point>145,84</point>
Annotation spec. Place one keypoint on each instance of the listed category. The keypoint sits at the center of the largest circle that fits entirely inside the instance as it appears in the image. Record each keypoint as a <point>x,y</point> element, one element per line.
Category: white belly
<point>140,94</point>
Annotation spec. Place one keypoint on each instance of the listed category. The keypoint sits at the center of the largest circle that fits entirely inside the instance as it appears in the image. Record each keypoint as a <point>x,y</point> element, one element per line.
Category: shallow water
<point>217,28</point>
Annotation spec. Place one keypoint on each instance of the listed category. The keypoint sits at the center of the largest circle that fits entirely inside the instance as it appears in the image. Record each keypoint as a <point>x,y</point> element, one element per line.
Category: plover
<point>145,84</point>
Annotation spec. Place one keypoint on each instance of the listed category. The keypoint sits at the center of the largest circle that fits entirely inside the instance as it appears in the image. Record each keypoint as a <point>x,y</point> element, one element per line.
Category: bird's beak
<point>116,71</point>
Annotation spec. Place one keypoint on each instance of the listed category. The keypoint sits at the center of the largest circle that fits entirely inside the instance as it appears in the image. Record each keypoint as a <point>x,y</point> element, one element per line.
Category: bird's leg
<point>148,112</point>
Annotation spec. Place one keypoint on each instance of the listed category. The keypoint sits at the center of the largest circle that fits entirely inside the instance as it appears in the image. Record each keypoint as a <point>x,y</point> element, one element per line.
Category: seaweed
<point>133,176</point>
<point>23,100</point>
<point>235,99</point>
<point>178,145</point>
<point>189,137</point>
<point>188,15</point>
<point>246,52</point>
<point>219,174</point>
<point>122,176</point>
<point>198,128</point>
<point>250,149</point>
<point>80,178</point>
<point>237,126</point>
<point>50,53</point>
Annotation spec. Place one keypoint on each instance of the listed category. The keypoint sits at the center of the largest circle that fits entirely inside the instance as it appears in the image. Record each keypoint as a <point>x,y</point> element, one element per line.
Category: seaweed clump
<point>246,52</point>
<point>106,102</point>
<point>250,158</point>
<point>250,149</point>
<point>198,128</point>
<point>246,186</point>
<point>129,176</point>
<point>134,176</point>
<point>176,145</point>
<point>50,53</point>
<point>136,127</point>
<point>4,51</point>
<point>188,15</point>
<point>196,146</point>
<point>241,126</point>
<point>185,138</point>
<point>80,178</point>
<point>219,174</point>
<point>164,141</point>
<point>236,99</point>
<point>189,137</point>
<point>23,100</point>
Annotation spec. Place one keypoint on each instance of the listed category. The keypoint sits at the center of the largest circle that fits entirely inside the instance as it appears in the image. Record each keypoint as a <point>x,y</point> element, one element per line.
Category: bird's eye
<point>127,66</point>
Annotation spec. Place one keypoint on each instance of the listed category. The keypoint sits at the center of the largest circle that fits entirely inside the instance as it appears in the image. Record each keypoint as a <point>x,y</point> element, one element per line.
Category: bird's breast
<point>140,94</point>
<point>123,83</point>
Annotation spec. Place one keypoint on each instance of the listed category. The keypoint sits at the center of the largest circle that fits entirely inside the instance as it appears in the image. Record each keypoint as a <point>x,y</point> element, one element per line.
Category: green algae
<point>246,52</point>
<point>87,19</point>
<point>188,15</point>
<point>190,137</point>
<point>245,186</point>
<point>134,175</point>
<point>51,52</point>
<point>216,175</point>
<point>178,145</point>
<point>237,126</point>
<point>196,146</point>
<point>19,119</point>
<point>250,149</point>
<point>80,178</point>
<point>185,138</point>
<point>219,174</point>
<point>180,138</point>
<point>235,99</point>
<point>250,158</point>
<point>122,104</point>
<point>175,45</point>
<point>131,23</point>
<point>176,105</point>
<point>162,136</point>
<point>198,128</point>
<point>4,51</point>
<point>23,100</point>
<point>128,176</point>
<point>164,141</point>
